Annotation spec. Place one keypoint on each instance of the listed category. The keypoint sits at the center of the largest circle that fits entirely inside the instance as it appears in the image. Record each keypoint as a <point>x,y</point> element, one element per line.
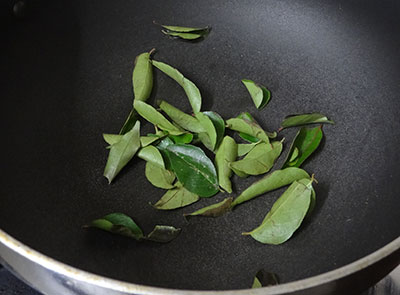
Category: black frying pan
<point>66,78</point>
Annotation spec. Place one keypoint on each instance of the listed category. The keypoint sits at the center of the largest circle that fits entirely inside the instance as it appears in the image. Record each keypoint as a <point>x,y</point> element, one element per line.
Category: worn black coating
<point>66,78</point>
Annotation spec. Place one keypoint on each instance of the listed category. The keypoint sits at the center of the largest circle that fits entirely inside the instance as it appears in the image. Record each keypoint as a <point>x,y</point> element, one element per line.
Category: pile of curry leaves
<point>176,162</point>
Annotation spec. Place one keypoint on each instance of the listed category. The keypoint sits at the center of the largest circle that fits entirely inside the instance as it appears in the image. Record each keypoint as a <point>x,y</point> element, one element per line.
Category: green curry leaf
<point>193,169</point>
<point>142,77</point>
<point>213,210</point>
<point>209,137</point>
<point>192,92</point>
<point>219,125</point>
<point>118,223</point>
<point>183,138</point>
<point>305,143</point>
<point>249,129</point>
<point>260,159</point>
<point>153,116</point>
<point>159,176</point>
<point>226,154</point>
<point>151,138</point>
<point>129,122</point>
<point>184,120</point>
<point>270,182</point>
<point>122,152</point>
<point>111,138</point>
<point>121,224</point>
<point>181,29</point>
<point>176,198</point>
<point>151,154</point>
<point>304,119</point>
<point>186,36</point>
<point>142,81</point>
<point>258,93</point>
<point>285,216</point>
<point>245,148</point>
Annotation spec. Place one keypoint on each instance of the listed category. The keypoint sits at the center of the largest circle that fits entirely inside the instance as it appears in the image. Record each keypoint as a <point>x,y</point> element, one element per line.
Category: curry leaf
<point>209,137</point>
<point>176,198</point>
<point>192,92</point>
<point>226,153</point>
<point>122,152</point>
<point>264,278</point>
<point>238,172</point>
<point>183,138</point>
<point>256,284</point>
<point>184,120</point>
<point>249,138</point>
<point>260,159</point>
<point>180,29</point>
<point>111,138</point>
<point>313,200</point>
<point>219,125</point>
<point>258,93</point>
<point>119,223</point>
<point>142,77</point>
<point>247,127</point>
<point>249,118</point>
<point>306,182</point>
<point>129,122</point>
<point>305,143</point>
<point>294,155</point>
<point>285,216</point>
<point>151,138</point>
<point>151,154</point>
<point>304,119</point>
<point>193,169</point>
<point>186,36</point>
<point>159,176</point>
<point>163,234</point>
<point>270,182</point>
<point>142,81</point>
<point>164,143</point>
<point>213,210</point>
<point>153,116</point>
<point>162,146</point>
<point>245,148</point>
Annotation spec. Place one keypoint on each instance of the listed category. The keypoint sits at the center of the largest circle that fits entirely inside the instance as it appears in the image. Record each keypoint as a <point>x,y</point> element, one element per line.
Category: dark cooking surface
<point>66,78</point>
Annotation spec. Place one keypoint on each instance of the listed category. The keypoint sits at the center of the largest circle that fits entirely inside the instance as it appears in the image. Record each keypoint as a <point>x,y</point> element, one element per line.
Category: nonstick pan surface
<point>66,79</point>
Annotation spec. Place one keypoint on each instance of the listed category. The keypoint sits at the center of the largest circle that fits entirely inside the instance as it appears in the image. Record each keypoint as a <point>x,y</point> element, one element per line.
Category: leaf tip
<point>109,178</point>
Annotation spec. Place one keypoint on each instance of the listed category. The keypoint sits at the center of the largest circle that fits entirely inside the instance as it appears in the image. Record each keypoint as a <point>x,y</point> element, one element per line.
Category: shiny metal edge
<point>76,274</point>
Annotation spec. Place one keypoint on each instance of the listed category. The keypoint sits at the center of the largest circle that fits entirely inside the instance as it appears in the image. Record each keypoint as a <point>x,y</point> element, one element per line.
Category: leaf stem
<point>152,51</point>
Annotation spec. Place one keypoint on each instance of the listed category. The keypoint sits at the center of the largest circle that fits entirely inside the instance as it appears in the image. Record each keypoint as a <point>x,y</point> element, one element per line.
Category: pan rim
<point>128,288</point>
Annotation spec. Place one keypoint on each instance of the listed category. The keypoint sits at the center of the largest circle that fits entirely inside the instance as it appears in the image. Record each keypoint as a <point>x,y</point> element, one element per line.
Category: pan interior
<point>66,79</point>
